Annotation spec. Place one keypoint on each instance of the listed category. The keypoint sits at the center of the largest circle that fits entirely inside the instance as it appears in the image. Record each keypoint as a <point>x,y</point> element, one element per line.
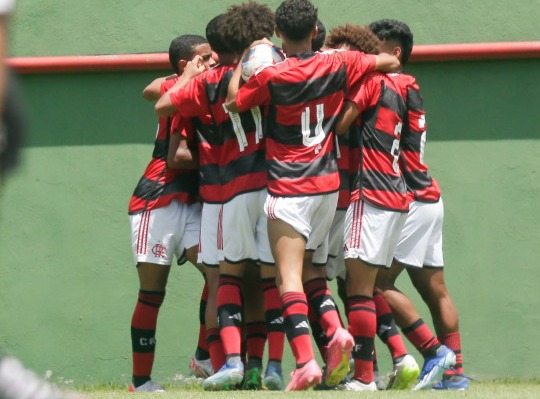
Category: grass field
<point>499,389</point>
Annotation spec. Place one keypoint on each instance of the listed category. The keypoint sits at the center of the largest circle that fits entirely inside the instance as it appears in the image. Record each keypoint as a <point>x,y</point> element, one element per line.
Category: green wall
<point>69,285</point>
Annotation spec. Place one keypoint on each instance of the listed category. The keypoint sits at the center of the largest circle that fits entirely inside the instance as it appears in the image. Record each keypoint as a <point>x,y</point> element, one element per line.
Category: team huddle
<point>274,182</point>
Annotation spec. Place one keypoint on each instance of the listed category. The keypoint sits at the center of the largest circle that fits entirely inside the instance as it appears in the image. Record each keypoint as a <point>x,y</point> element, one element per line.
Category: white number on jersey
<point>309,139</point>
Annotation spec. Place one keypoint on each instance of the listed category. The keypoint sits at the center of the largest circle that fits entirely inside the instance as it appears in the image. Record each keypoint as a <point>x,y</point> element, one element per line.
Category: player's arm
<point>234,86</point>
<point>165,105</point>
<point>152,92</point>
<point>180,156</point>
<point>387,63</point>
<point>361,96</point>
<point>236,80</point>
<point>348,115</point>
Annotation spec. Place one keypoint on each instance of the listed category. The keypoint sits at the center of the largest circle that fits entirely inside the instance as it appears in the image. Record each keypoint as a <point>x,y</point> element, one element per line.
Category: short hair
<point>318,41</point>
<point>244,23</point>
<point>394,30</point>
<point>183,48</point>
<point>360,37</point>
<point>296,19</point>
<point>215,36</point>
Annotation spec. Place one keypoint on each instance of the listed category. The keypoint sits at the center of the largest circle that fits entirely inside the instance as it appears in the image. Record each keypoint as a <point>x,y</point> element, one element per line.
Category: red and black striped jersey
<point>304,94</point>
<point>377,178</point>
<point>422,187</point>
<point>231,146</point>
<point>159,185</point>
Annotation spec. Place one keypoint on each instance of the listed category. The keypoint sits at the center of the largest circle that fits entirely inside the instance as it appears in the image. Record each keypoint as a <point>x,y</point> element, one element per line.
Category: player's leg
<point>431,285</point>
<point>154,240</point>
<point>209,254</point>
<point>254,328</point>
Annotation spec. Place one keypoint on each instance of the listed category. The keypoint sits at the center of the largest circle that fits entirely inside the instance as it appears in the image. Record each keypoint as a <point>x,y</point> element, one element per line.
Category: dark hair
<point>244,23</point>
<point>183,48</point>
<point>215,36</point>
<point>360,37</point>
<point>296,19</point>
<point>318,41</point>
<point>393,30</point>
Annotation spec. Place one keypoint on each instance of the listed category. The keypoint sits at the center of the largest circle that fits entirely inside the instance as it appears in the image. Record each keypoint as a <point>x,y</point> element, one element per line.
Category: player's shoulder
<point>168,83</point>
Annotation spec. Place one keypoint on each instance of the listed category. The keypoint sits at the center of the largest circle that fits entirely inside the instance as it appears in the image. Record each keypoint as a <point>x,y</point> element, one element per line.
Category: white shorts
<point>159,234</point>
<point>211,238</point>
<point>310,216</point>
<point>245,232</point>
<point>420,243</point>
<point>371,234</point>
<point>335,266</point>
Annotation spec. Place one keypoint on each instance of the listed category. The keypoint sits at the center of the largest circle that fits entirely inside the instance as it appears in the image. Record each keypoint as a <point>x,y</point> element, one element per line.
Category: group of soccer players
<point>310,170</point>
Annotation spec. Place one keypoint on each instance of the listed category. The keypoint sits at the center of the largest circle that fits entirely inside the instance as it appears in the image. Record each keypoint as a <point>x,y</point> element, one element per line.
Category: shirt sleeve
<point>254,92</point>
<point>191,99</point>
<point>365,93</point>
<point>358,64</point>
<point>182,126</point>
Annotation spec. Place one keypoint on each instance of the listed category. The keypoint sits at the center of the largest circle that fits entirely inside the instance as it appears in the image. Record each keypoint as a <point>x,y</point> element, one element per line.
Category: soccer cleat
<point>228,377</point>
<point>355,385</point>
<point>337,357</point>
<point>454,383</point>
<point>305,377</point>
<point>201,368</point>
<point>17,382</point>
<point>252,380</point>
<point>148,386</point>
<point>273,378</point>
<point>405,373</point>
<point>434,368</point>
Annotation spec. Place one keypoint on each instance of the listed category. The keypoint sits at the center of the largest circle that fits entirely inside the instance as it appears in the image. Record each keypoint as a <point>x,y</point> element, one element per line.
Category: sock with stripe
<point>215,348</point>
<point>273,315</point>
<point>363,327</point>
<point>453,341</point>
<point>295,309</point>
<point>202,347</point>
<point>229,304</point>
<point>320,300</point>
<point>420,335</point>
<point>143,334</point>
<point>387,329</point>
<point>255,341</point>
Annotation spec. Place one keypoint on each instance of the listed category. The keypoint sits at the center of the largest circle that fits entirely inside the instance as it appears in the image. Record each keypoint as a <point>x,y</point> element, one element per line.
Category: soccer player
<point>305,93</point>
<point>419,248</point>
<point>165,222</point>
<point>375,217</point>
<point>360,38</point>
<point>242,189</point>
<point>317,42</point>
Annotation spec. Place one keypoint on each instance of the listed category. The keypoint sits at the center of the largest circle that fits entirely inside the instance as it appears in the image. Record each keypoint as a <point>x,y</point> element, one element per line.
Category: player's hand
<point>194,67</point>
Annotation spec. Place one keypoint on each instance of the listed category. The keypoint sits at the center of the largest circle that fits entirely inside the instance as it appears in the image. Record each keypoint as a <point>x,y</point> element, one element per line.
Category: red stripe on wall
<point>160,61</point>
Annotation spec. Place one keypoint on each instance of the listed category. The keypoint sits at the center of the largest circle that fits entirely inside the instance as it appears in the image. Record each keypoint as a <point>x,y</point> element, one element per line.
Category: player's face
<point>205,52</point>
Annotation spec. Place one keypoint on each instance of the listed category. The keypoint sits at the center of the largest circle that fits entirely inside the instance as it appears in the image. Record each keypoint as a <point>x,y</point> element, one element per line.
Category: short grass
<point>498,389</point>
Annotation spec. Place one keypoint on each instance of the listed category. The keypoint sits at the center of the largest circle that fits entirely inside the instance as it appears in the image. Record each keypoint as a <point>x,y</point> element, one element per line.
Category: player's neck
<point>292,48</point>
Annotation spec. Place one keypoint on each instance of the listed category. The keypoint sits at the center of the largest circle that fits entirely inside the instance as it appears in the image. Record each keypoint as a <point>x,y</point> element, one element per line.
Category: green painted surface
<point>69,285</point>
<point>67,27</point>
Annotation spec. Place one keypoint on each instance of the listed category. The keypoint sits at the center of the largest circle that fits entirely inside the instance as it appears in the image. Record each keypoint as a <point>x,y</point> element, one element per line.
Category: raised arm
<point>387,63</point>
<point>234,85</point>
<point>165,106</point>
<point>152,92</point>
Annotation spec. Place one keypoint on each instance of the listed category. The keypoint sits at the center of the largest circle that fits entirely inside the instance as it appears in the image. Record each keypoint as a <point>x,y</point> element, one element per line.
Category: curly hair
<point>394,30</point>
<point>183,48</point>
<point>318,41</point>
<point>359,37</point>
<point>244,23</point>
<point>215,36</point>
<point>296,19</point>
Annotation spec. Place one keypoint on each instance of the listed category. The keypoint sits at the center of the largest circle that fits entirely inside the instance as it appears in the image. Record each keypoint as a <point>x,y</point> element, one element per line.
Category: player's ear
<point>397,52</point>
<point>314,31</point>
<point>278,32</point>
<point>182,65</point>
